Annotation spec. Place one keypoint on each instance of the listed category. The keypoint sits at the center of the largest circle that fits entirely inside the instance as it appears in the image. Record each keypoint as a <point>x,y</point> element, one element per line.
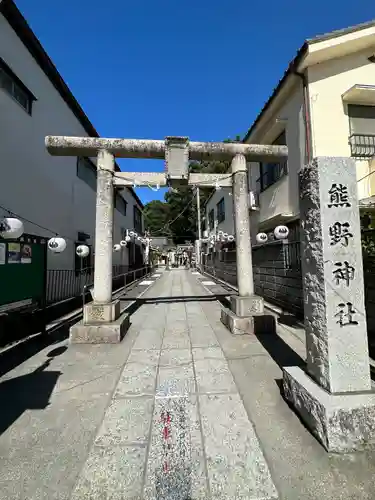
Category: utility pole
<point>198,243</point>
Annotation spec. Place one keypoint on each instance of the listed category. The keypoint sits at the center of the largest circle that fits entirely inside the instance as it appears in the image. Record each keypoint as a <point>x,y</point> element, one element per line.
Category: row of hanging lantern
<point>58,245</point>
<point>280,233</point>
<point>220,237</point>
<point>12,228</point>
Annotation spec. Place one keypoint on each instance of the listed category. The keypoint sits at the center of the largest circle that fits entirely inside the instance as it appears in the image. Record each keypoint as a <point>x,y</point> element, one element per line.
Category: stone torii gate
<point>101,321</point>
<point>333,394</point>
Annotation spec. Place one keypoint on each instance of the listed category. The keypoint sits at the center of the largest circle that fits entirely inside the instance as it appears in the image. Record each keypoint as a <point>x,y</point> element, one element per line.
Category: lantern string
<point>24,219</point>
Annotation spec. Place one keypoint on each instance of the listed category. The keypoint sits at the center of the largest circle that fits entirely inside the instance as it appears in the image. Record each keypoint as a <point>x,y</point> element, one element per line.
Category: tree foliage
<point>177,215</point>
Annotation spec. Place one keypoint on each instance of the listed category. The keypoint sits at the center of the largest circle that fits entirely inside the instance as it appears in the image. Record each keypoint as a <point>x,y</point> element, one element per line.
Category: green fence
<point>22,272</point>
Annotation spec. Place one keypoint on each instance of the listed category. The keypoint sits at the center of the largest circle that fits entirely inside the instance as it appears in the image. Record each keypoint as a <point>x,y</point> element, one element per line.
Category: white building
<point>324,105</point>
<point>54,193</point>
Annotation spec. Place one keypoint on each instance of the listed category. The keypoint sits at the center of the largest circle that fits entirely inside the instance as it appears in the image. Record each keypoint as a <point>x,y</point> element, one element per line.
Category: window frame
<point>17,86</point>
<point>361,142</point>
<point>220,210</point>
<point>352,106</point>
<point>137,228</point>
<point>211,219</point>
<point>278,170</point>
<point>125,204</point>
<point>90,165</point>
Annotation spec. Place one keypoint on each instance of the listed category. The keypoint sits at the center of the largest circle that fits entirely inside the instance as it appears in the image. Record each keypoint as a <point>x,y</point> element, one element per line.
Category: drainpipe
<point>307,115</point>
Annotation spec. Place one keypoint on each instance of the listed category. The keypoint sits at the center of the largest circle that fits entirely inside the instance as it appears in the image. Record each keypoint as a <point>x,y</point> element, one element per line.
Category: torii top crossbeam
<point>156,149</point>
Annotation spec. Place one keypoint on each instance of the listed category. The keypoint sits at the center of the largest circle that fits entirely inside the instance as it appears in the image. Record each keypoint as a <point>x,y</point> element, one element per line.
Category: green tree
<point>156,214</point>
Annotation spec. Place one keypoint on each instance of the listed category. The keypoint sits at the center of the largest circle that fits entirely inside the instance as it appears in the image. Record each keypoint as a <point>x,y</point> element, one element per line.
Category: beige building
<point>324,105</point>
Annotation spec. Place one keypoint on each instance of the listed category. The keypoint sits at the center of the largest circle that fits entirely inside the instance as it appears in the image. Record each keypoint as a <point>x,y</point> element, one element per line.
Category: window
<point>137,220</point>
<point>15,88</point>
<point>362,130</point>
<point>86,171</point>
<point>221,210</point>
<point>120,204</point>
<point>361,119</point>
<point>272,172</point>
<point>211,219</point>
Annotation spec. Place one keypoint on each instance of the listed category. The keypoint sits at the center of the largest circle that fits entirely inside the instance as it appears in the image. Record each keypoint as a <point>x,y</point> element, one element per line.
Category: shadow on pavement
<point>19,353</point>
<point>28,392</point>
<point>279,350</point>
<point>288,320</point>
<point>193,298</point>
<point>133,307</point>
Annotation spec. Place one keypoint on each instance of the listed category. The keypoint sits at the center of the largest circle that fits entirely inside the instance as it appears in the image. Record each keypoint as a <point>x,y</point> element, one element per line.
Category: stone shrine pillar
<point>101,318</point>
<point>244,306</point>
<point>333,396</point>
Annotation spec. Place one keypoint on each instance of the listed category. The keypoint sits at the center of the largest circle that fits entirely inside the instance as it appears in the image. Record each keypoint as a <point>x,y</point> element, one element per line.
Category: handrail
<point>134,271</point>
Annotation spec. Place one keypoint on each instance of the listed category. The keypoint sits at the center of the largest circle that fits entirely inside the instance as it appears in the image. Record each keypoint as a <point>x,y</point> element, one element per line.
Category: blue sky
<point>148,69</point>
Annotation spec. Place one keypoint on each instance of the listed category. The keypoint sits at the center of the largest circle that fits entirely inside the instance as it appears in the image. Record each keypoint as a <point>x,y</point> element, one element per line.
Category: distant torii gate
<point>101,318</point>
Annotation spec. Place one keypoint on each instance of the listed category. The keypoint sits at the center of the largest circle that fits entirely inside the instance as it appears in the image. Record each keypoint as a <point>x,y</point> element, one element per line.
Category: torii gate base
<point>101,324</point>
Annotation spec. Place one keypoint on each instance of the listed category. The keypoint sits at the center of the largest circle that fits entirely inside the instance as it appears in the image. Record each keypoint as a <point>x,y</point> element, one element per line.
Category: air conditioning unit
<point>253,200</point>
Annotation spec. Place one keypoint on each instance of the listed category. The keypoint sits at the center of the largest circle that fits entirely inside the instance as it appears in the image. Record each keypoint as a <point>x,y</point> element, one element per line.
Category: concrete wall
<point>35,185</point>
<point>329,118</point>
<point>277,273</point>
<point>281,197</point>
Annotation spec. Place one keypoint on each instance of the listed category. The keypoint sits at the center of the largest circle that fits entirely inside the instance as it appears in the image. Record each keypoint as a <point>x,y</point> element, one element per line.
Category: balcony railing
<point>362,145</point>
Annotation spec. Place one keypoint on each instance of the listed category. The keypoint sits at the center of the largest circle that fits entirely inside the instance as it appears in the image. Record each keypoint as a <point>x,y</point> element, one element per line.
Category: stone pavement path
<point>181,410</point>
<point>176,427</point>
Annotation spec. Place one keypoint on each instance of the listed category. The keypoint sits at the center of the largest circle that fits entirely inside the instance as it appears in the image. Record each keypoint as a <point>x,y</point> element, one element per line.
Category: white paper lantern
<point>261,238</point>
<point>225,235</point>
<point>116,247</point>
<point>56,245</point>
<point>123,243</point>
<point>128,238</point>
<point>82,251</point>
<point>11,228</point>
<point>281,232</point>
<point>230,238</point>
<point>131,234</point>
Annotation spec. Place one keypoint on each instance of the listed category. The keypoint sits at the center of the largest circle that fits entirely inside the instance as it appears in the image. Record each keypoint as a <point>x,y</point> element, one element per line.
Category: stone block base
<point>94,313</point>
<point>247,306</point>
<point>237,325</point>
<point>343,423</point>
<point>101,333</point>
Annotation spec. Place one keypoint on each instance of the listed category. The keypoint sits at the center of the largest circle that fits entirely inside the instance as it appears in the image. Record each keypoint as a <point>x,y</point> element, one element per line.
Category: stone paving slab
<point>147,420</point>
<point>300,467</point>
<point>179,379</point>
<point>236,467</point>
<point>176,465</point>
<point>114,472</point>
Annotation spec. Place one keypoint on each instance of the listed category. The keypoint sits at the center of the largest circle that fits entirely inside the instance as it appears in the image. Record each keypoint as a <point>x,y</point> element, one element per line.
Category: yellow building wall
<point>329,118</point>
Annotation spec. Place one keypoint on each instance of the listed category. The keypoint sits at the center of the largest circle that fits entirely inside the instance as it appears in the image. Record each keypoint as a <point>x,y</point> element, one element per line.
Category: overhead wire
<point>18,216</point>
<point>146,184</point>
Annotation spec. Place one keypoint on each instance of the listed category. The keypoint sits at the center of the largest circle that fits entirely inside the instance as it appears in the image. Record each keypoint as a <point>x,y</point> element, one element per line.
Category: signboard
<point>23,269</point>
